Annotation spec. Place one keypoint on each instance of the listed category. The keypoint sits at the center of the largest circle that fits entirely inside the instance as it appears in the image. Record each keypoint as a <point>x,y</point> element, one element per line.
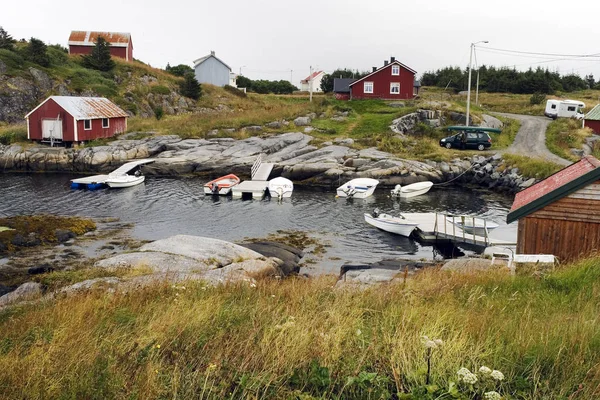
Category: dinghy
<point>222,185</point>
<point>358,188</point>
<point>472,225</point>
<point>398,225</point>
<point>412,190</point>
<point>281,187</point>
<point>128,174</point>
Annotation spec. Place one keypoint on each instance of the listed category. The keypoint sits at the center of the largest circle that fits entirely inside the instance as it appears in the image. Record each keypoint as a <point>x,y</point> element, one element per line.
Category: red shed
<point>592,120</point>
<point>82,42</point>
<point>75,119</point>
<point>391,82</point>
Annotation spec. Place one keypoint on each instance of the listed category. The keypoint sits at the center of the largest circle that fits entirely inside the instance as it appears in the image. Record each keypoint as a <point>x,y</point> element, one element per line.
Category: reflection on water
<point>166,206</point>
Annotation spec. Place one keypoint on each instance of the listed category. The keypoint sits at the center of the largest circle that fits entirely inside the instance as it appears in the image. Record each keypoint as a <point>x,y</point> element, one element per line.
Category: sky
<point>282,39</point>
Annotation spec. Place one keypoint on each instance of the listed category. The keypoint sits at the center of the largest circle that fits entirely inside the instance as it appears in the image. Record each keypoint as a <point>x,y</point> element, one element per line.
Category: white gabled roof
<point>86,107</point>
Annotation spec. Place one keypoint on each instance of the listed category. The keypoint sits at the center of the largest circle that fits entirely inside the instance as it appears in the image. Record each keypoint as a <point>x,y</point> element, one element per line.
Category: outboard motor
<point>375,213</point>
<point>350,191</point>
<point>397,190</point>
<point>215,188</point>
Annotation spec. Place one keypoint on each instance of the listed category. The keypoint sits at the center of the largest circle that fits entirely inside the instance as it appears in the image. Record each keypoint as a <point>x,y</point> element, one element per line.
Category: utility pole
<point>292,76</point>
<point>310,80</point>
<point>469,84</point>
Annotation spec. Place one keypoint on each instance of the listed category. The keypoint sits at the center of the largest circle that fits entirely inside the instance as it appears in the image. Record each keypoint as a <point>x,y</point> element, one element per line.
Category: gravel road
<point>531,138</point>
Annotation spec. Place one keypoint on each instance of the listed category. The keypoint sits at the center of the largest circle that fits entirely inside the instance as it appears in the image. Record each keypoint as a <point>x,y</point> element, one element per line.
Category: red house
<point>82,42</point>
<point>592,120</point>
<point>68,119</point>
<point>393,81</point>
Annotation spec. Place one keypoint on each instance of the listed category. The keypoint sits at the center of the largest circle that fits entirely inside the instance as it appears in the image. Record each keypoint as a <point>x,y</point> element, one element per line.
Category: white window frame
<point>396,69</point>
<point>370,83</point>
<point>84,123</point>
<point>394,85</point>
<point>107,123</point>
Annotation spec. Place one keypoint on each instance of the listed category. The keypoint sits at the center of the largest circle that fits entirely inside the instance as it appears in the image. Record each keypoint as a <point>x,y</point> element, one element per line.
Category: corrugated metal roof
<point>86,107</point>
<point>555,187</point>
<point>594,114</point>
<point>313,76</point>
<point>89,38</point>
<point>342,85</point>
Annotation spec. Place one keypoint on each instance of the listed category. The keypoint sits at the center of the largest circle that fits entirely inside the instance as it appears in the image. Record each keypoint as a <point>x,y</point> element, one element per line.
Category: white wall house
<point>316,77</point>
<point>210,69</point>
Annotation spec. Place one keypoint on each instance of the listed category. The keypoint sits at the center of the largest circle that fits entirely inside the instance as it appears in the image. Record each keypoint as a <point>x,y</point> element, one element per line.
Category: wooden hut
<point>561,214</point>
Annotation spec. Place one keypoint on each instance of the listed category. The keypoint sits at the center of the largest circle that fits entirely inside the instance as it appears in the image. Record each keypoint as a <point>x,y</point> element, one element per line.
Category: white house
<point>210,69</point>
<point>316,78</point>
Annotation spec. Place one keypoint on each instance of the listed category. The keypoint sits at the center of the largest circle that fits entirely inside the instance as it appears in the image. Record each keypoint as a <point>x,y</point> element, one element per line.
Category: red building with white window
<point>391,82</point>
<point>67,119</point>
<point>82,42</point>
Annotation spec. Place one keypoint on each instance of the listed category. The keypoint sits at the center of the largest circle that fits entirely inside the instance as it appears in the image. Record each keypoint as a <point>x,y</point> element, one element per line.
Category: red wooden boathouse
<point>75,119</point>
<point>592,120</point>
<point>82,42</point>
<point>393,81</point>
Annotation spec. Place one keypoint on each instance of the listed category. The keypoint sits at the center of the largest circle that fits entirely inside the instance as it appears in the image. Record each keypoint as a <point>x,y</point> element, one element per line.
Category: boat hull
<point>281,187</point>
<point>359,188</point>
<point>477,227</point>
<point>414,189</point>
<point>224,184</point>
<point>125,181</point>
<point>391,224</point>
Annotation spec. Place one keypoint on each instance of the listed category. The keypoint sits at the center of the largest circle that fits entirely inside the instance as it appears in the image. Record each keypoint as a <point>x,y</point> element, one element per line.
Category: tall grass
<point>303,339</point>
<point>531,167</point>
<point>563,134</point>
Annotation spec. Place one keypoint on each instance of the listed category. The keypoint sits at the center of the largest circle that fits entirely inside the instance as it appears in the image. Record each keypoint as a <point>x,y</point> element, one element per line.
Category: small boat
<point>398,225</point>
<point>281,187</point>
<point>128,174</point>
<point>123,181</point>
<point>358,188</point>
<point>472,225</point>
<point>221,185</point>
<point>412,190</point>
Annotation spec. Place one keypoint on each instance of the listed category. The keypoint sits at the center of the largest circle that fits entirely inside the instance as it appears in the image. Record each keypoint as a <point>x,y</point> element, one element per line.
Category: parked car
<point>468,137</point>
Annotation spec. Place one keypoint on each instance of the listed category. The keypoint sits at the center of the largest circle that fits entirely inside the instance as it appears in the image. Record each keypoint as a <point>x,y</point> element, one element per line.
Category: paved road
<point>531,138</point>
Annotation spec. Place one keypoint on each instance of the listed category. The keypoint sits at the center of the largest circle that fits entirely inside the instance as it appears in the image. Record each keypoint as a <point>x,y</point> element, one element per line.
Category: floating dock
<point>258,185</point>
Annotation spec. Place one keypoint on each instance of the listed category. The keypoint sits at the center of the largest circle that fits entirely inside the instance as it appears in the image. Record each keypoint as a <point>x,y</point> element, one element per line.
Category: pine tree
<point>6,41</point>
<point>36,52</point>
<point>99,58</point>
<point>190,87</point>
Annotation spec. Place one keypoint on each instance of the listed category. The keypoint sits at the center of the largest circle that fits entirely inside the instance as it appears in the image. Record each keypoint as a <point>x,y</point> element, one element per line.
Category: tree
<point>243,82</point>
<point>99,58</point>
<point>179,70</point>
<point>190,87</point>
<point>327,81</point>
<point>6,41</point>
<point>36,52</point>
<point>590,80</point>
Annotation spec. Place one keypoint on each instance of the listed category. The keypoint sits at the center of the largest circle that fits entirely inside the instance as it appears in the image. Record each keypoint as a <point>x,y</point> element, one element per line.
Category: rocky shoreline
<point>292,153</point>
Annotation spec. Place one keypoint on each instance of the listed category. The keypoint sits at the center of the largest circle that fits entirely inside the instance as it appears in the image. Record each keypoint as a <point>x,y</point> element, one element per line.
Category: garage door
<point>52,128</point>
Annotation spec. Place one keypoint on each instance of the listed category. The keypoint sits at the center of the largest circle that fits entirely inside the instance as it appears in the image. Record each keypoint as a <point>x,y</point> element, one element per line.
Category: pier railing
<point>456,228</point>
<point>256,166</point>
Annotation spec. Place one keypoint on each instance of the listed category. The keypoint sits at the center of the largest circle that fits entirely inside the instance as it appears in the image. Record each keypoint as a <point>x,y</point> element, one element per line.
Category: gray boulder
<point>26,291</point>
<point>302,121</point>
<point>290,256</point>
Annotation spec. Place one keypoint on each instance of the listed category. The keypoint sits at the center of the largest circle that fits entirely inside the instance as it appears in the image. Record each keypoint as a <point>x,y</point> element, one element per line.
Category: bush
<point>13,134</point>
<point>37,52</point>
<point>12,59</point>
<point>159,112</point>
<point>58,55</point>
<point>160,89</point>
<point>235,91</point>
<point>537,98</point>
<point>190,87</point>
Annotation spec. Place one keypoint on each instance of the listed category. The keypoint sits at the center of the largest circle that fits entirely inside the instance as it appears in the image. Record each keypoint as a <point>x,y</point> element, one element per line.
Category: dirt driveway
<point>531,138</point>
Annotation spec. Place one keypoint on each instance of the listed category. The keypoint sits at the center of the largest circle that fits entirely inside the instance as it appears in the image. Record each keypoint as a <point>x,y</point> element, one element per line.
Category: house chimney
<point>374,69</point>
<point>385,62</point>
<point>212,52</point>
<point>392,59</point>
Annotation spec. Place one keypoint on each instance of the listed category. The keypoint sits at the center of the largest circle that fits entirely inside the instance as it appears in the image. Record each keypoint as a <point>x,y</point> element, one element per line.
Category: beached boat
<point>128,174</point>
<point>388,223</point>
<point>472,225</point>
<point>281,187</point>
<point>221,185</point>
<point>358,188</point>
<point>412,190</point>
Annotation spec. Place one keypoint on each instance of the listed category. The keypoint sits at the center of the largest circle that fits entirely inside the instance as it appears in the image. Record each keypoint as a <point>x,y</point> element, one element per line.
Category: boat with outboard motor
<point>358,188</point>
<point>398,225</point>
<point>222,185</point>
<point>280,187</point>
<point>472,225</point>
<point>412,190</point>
<point>128,174</point>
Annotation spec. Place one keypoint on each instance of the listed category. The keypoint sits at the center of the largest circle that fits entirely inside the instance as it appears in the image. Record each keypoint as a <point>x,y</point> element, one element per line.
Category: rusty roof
<point>555,187</point>
<point>89,38</point>
<point>313,76</point>
<point>86,107</point>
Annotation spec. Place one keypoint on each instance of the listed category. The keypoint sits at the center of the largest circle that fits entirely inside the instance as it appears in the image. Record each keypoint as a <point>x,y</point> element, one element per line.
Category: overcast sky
<point>268,39</point>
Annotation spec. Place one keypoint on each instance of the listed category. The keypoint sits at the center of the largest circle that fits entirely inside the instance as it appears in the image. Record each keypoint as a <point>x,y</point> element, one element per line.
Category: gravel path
<point>531,138</point>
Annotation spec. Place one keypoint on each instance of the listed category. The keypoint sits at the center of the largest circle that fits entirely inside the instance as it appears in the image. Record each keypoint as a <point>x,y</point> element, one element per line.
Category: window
<point>87,124</point>
<point>394,88</point>
<point>571,108</point>
<point>105,123</point>
<point>395,70</point>
<point>553,106</point>
<point>368,88</point>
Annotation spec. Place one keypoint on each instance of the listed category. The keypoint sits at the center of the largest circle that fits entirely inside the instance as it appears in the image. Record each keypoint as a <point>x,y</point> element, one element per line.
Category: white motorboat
<point>124,181</point>
<point>412,190</point>
<point>128,174</point>
<point>358,188</point>
<point>388,223</point>
<point>472,225</point>
<point>281,187</point>
<point>222,185</point>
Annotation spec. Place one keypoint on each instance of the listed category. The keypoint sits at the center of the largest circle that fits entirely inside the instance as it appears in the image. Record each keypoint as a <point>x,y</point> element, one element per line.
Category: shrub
<point>537,98</point>
<point>235,91</point>
<point>160,89</point>
<point>99,58</point>
<point>13,134</point>
<point>190,87</point>
<point>12,59</point>
<point>37,52</point>
<point>159,112</point>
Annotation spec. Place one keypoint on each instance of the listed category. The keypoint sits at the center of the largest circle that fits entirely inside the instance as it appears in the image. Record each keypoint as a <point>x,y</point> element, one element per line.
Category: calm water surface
<point>164,207</point>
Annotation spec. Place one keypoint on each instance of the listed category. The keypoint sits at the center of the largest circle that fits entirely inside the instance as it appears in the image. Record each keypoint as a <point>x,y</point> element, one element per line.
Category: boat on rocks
<point>398,225</point>
<point>280,187</point>
<point>222,185</point>
<point>472,225</point>
<point>128,174</point>
<point>358,188</point>
<point>412,190</point>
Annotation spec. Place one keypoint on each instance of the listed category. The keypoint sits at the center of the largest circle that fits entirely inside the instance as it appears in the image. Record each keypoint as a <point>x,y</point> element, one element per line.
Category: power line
<point>541,54</point>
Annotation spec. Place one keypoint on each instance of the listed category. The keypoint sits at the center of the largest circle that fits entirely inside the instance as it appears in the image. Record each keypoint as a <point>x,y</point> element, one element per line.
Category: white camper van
<point>564,109</point>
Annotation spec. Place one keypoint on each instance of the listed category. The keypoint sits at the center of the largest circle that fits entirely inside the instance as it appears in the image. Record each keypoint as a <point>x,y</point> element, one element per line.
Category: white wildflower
<point>485,370</point>
<point>497,375</point>
<point>430,344</point>
<point>358,332</point>
<point>439,342</point>
<point>492,396</point>
<point>253,285</point>
<point>466,376</point>
<point>462,372</point>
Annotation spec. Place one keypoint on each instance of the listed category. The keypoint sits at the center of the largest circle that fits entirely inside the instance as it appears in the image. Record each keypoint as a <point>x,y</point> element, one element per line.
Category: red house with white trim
<point>67,119</point>
<point>592,120</point>
<point>393,81</point>
<point>82,42</point>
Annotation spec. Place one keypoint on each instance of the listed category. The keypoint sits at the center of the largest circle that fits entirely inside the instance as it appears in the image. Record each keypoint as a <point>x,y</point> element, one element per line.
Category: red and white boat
<point>221,185</point>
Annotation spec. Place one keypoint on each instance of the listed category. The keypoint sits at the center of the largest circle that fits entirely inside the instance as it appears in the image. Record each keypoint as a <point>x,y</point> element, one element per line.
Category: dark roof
<point>417,83</point>
<point>555,187</point>
<point>384,67</point>
<point>342,85</point>
<point>594,114</point>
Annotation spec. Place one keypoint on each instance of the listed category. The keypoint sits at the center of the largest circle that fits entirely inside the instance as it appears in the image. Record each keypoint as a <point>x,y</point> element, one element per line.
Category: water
<point>163,207</point>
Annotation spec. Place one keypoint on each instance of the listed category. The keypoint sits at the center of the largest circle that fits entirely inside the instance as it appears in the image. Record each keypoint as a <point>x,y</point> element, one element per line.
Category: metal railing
<point>256,166</point>
<point>467,237</point>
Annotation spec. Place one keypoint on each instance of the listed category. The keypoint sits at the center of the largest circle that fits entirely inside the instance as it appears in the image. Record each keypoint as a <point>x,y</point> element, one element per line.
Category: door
<point>472,140</point>
<point>52,128</point>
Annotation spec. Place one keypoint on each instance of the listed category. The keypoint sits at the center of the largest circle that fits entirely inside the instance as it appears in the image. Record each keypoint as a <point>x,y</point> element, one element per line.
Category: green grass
<point>300,338</point>
<point>564,134</point>
<point>10,134</point>
<point>530,167</point>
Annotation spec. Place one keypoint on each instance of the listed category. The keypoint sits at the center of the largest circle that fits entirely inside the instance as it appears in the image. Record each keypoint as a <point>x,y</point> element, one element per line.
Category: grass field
<point>302,339</point>
<point>564,134</point>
